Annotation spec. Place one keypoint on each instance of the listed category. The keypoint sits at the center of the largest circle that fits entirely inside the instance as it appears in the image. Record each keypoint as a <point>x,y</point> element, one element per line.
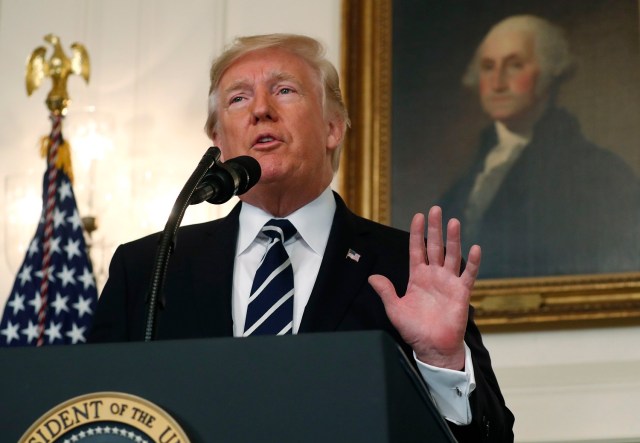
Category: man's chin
<point>507,117</point>
<point>501,113</point>
<point>269,176</point>
<point>512,115</point>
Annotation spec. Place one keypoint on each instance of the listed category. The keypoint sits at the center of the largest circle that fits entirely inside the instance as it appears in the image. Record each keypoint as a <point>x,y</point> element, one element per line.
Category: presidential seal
<point>105,417</point>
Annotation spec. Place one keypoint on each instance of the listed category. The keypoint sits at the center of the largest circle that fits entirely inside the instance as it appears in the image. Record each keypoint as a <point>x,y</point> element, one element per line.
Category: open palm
<point>432,316</point>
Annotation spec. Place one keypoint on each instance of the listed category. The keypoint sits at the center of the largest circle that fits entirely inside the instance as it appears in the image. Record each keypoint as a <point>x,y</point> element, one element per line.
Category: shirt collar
<point>312,221</point>
<point>509,138</point>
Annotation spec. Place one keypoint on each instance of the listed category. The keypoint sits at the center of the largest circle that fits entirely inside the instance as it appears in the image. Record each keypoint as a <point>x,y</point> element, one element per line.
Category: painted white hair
<point>551,49</point>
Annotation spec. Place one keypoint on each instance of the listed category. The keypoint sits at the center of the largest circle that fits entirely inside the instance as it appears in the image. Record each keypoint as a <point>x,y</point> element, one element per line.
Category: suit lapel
<point>341,276</point>
<point>212,274</point>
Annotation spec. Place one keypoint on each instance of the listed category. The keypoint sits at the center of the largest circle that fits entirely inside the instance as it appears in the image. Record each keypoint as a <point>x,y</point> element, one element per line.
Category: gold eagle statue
<point>58,67</point>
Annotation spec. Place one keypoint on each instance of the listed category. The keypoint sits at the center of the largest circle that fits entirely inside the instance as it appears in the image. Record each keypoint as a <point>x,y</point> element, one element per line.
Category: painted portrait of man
<point>536,192</point>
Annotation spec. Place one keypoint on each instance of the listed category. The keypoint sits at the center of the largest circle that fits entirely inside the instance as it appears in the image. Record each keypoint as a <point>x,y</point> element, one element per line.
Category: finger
<point>453,255</point>
<point>472,268</point>
<point>417,252</point>
<point>435,246</point>
<point>383,286</point>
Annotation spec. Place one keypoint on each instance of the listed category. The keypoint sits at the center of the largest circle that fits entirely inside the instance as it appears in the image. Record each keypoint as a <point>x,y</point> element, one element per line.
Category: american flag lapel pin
<point>353,255</point>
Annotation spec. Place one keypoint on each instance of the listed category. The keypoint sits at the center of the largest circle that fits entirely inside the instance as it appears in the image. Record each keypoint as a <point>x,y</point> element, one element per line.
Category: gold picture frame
<point>365,181</point>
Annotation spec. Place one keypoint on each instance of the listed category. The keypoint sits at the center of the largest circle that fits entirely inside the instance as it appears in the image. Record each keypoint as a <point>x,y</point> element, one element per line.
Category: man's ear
<point>215,138</point>
<point>336,128</point>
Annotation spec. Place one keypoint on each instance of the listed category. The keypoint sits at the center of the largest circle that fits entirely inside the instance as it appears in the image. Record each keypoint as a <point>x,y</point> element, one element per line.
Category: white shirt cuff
<point>450,390</point>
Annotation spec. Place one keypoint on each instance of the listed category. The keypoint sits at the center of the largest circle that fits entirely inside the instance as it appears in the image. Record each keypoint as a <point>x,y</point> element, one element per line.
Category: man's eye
<point>516,64</point>
<point>486,66</point>
<point>285,91</point>
<point>236,99</point>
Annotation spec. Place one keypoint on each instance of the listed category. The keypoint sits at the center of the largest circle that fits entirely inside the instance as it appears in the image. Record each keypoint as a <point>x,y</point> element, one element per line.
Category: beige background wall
<point>149,82</point>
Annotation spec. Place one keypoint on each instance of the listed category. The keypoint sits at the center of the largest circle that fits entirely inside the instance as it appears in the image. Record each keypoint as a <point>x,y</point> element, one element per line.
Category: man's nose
<point>499,79</point>
<point>262,107</point>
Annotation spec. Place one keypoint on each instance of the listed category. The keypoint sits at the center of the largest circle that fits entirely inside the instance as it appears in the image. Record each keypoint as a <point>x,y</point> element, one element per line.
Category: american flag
<point>353,255</point>
<point>54,294</point>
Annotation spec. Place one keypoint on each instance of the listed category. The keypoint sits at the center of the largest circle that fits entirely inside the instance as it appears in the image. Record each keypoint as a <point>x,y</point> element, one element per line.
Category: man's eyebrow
<point>282,76</point>
<point>508,57</point>
<point>275,77</point>
<point>237,85</point>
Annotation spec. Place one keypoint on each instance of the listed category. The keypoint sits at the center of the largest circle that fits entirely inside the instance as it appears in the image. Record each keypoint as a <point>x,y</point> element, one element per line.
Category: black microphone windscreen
<point>248,170</point>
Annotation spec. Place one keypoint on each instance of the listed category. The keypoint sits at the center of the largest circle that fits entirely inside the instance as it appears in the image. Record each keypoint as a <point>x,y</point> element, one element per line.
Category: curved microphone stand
<point>168,236</point>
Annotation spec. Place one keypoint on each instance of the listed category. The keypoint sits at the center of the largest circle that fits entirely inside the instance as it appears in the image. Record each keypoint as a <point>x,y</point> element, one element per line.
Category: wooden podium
<point>329,387</point>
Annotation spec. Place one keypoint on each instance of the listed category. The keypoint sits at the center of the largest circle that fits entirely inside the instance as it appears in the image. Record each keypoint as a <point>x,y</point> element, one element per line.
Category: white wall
<point>578,385</point>
<point>150,63</point>
<point>149,81</point>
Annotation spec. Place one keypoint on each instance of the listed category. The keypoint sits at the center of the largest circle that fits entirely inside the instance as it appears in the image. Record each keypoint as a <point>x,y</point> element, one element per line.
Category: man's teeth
<point>265,139</point>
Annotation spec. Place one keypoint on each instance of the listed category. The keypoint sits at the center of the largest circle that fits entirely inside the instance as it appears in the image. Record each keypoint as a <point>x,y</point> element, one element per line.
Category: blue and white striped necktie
<point>270,309</point>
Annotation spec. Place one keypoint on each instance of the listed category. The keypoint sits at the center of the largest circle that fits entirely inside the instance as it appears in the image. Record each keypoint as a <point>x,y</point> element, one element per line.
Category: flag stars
<point>72,248</point>
<point>76,334</point>
<point>75,220</point>
<point>36,302</point>
<point>58,218</point>
<point>17,303</point>
<point>47,302</point>
<point>66,275</point>
<point>31,332</point>
<point>83,306</point>
<point>25,274</point>
<point>60,304</point>
<point>33,247</point>
<point>87,278</point>
<point>64,191</point>
<point>10,332</point>
<point>50,273</point>
<point>53,331</point>
<point>54,245</point>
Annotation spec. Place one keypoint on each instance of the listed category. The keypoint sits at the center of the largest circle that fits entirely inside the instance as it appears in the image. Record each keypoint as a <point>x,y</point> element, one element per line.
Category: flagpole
<point>54,295</point>
<point>60,67</point>
<point>55,140</point>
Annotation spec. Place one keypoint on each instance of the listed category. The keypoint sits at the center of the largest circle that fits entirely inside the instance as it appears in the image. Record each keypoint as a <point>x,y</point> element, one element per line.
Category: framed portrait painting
<point>520,119</point>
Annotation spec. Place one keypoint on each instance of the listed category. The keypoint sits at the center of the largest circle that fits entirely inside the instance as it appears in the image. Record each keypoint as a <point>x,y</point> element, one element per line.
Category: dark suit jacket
<point>198,297</point>
<point>566,206</point>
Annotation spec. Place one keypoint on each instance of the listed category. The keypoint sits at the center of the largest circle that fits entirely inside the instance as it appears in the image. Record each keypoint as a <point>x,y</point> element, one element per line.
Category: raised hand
<point>432,316</point>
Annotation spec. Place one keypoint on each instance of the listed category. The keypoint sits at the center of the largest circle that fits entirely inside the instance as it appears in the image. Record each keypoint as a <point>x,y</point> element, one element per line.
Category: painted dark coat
<point>566,206</point>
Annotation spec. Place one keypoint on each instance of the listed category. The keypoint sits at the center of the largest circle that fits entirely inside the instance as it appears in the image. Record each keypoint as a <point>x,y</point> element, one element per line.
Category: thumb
<point>383,286</point>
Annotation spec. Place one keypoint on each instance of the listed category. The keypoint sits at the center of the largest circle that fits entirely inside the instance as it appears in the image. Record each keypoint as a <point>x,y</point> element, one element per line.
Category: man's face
<point>509,72</point>
<point>270,107</point>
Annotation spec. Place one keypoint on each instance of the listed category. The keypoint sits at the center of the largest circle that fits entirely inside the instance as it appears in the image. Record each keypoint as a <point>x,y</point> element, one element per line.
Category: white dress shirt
<point>496,166</point>
<point>450,389</point>
<point>306,249</point>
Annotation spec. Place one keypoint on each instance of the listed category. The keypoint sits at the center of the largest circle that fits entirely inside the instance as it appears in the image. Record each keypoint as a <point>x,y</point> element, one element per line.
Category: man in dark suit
<point>539,197</point>
<point>277,98</point>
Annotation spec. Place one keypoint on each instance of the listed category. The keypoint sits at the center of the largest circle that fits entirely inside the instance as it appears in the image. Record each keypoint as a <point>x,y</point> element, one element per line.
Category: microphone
<point>224,180</point>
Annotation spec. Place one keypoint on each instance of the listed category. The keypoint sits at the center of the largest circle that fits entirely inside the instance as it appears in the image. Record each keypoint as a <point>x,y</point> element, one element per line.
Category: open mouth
<point>265,140</point>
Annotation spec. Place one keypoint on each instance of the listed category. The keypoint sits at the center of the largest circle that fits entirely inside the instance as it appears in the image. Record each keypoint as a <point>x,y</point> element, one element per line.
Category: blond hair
<point>307,48</point>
